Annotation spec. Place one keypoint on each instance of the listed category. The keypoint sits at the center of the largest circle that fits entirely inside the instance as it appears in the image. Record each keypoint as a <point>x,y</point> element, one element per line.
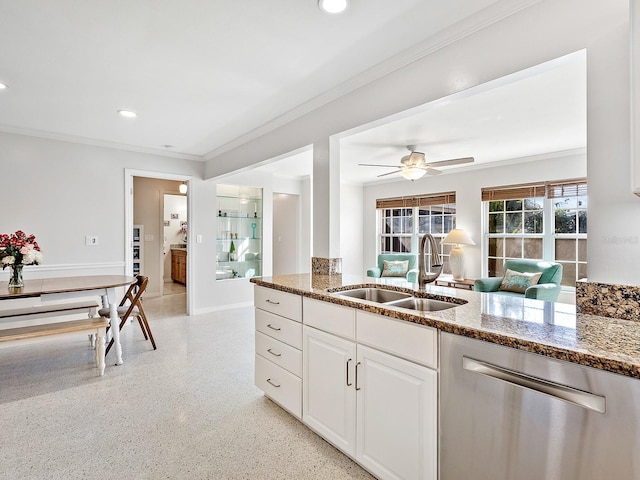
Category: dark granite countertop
<point>551,329</point>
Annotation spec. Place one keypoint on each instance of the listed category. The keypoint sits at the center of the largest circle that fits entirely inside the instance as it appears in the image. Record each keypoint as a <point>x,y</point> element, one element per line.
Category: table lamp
<point>457,237</point>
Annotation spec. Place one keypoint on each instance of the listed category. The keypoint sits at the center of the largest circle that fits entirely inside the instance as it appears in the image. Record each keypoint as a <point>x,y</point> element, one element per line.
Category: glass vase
<point>15,276</point>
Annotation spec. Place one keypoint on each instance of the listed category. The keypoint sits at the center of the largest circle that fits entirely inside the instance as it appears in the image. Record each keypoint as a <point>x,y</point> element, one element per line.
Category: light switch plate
<point>90,240</point>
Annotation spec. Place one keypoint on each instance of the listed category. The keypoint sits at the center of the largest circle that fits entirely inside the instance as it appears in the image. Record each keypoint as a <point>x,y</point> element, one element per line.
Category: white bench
<point>97,326</point>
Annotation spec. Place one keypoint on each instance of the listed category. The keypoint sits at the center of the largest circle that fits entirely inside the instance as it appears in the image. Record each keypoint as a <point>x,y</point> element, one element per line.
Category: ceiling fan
<point>414,165</point>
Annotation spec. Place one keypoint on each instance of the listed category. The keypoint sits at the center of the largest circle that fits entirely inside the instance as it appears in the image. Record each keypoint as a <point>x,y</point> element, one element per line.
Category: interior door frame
<point>128,220</point>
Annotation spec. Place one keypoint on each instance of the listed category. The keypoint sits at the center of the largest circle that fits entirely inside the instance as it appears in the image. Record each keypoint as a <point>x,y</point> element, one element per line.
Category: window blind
<point>417,200</point>
<point>513,192</point>
<point>576,187</point>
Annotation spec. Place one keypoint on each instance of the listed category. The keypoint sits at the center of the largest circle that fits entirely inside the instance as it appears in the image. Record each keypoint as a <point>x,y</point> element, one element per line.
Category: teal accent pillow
<point>518,281</point>
<point>395,268</point>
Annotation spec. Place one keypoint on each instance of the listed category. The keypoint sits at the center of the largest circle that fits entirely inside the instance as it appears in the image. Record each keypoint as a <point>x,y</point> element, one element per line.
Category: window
<point>403,221</point>
<point>545,221</point>
<point>569,201</point>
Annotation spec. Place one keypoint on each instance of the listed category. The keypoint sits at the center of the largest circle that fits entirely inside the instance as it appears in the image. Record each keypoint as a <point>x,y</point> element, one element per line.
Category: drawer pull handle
<point>269,381</point>
<point>272,303</point>
<point>274,354</point>
<point>273,328</point>
<point>357,387</point>
<point>348,384</point>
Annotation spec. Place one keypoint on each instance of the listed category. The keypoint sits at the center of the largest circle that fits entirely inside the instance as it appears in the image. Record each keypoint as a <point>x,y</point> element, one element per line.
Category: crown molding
<point>470,25</point>
<point>98,143</point>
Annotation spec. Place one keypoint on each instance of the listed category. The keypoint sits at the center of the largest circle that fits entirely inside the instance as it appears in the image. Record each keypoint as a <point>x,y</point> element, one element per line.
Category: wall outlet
<point>90,240</point>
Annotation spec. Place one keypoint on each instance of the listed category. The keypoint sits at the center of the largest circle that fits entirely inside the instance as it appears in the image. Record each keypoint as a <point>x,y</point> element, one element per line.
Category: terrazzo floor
<point>188,410</point>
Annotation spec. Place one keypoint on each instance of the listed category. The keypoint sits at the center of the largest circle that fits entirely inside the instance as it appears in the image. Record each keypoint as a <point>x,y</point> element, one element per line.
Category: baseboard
<point>219,308</point>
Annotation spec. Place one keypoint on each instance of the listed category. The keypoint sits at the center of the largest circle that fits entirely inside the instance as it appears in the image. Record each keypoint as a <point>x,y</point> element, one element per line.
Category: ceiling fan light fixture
<point>333,7</point>
<point>412,173</point>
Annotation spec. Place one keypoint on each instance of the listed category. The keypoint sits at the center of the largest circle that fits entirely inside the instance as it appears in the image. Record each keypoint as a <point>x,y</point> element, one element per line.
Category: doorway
<point>286,233</point>
<point>146,210</point>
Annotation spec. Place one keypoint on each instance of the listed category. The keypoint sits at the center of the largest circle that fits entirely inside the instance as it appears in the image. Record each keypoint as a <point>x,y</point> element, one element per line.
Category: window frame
<point>557,189</point>
<point>416,204</point>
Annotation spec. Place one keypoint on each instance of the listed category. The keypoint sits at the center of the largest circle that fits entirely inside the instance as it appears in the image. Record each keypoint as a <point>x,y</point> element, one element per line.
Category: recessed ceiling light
<point>127,113</point>
<point>333,6</point>
<point>3,86</point>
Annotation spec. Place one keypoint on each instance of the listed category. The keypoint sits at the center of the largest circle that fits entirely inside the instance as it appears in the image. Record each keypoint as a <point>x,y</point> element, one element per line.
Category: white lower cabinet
<point>328,393</point>
<point>278,339</point>
<point>396,417</point>
<point>377,408</point>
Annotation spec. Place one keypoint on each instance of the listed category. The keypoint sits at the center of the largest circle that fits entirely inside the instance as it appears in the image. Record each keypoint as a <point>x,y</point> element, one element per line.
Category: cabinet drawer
<point>279,353</point>
<point>281,386</point>
<point>281,303</point>
<point>329,317</point>
<point>403,339</point>
<point>280,328</point>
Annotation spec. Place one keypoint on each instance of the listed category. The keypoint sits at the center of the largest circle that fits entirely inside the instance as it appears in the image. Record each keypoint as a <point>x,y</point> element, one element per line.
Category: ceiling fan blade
<point>390,173</point>
<point>453,161</point>
<point>432,171</point>
<point>377,165</point>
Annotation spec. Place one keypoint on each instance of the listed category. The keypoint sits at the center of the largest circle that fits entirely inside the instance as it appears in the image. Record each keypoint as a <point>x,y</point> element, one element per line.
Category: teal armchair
<point>412,273</point>
<point>548,287</point>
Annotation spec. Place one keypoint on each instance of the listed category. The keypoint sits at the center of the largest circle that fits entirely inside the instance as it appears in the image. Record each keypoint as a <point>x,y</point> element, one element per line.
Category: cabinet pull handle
<point>272,303</point>
<point>273,328</point>
<point>357,387</point>
<point>269,381</point>
<point>583,399</point>
<point>348,384</point>
<point>274,354</point>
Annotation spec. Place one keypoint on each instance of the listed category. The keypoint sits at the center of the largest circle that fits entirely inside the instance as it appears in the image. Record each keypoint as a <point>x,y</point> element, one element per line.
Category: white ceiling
<point>201,75</point>
<point>538,111</point>
<point>520,117</point>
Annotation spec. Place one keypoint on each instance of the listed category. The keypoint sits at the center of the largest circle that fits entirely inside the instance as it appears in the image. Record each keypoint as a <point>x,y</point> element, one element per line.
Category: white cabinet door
<point>328,398</point>
<point>397,417</point>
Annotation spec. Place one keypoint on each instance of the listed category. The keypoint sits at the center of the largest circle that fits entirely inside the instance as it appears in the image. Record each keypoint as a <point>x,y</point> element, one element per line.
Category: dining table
<point>63,288</point>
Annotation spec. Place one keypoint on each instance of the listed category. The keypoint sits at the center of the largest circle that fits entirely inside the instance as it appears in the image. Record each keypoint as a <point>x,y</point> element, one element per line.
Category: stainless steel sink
<point>373,294</point>
<point>423,304</point>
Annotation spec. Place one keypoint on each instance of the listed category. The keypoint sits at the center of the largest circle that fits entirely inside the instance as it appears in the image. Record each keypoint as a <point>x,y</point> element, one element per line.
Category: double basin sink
<point>393,298</point>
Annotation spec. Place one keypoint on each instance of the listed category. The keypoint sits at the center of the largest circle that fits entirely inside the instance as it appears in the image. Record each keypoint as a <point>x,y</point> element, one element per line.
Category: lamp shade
<point>412,173</point>
<point>457,236</point>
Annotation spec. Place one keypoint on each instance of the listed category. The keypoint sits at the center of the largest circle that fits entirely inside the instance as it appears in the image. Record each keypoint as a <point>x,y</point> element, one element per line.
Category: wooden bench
<point>97,326</point>
<point>48,310</point>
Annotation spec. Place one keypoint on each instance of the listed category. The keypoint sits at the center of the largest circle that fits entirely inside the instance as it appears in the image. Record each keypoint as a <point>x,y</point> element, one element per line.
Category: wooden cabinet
<point>179,266</point>
<point>278,343</point>
<point>376,407</point>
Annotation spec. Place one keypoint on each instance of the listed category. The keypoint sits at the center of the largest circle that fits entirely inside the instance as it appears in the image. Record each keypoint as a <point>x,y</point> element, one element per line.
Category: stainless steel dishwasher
<point>511,415</point>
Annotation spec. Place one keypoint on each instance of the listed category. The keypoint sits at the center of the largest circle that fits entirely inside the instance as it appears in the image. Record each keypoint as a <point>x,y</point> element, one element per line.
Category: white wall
<point>63,191</point>
<point>468,187</point>
<point>351,228</point>
<point>547,30</point>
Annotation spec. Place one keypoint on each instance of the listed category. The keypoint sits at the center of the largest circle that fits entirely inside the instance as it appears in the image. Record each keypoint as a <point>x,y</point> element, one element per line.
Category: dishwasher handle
<point>583,399</point>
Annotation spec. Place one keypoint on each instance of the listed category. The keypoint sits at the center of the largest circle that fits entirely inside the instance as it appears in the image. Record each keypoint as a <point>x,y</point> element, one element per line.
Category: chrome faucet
<point>434,272</point>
